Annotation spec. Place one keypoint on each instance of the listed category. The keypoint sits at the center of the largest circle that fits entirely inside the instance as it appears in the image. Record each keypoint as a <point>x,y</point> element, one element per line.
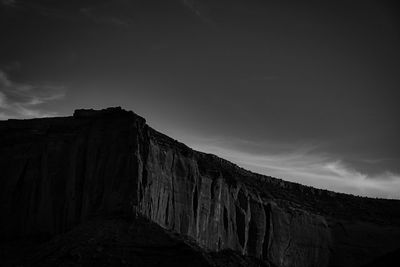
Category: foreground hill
<point>64,178</point>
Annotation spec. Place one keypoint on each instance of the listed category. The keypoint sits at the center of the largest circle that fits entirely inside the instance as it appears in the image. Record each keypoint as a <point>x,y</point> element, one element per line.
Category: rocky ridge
<point>58,173</point>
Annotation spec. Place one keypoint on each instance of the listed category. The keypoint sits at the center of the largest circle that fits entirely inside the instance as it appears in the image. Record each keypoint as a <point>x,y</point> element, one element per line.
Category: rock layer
<point>59,172</point>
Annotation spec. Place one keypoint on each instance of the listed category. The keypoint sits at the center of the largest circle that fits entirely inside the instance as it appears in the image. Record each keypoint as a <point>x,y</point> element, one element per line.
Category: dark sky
<point>307,91</point>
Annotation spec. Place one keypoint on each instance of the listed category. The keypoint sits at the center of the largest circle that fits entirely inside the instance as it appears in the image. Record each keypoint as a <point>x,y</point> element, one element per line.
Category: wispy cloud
<point>22,100</point>
<point>10,3</point>
<point>102,13</point>
<point>46,10</point>
<point>10,66</point>
<point>307,166</point>
<point>199,9</point>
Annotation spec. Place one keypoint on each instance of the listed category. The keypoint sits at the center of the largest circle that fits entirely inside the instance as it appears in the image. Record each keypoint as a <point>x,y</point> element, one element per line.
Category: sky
<point>306,91</point>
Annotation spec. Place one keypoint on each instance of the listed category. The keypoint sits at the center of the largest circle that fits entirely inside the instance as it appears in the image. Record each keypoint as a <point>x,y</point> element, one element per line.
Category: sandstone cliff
<point>60,172</point>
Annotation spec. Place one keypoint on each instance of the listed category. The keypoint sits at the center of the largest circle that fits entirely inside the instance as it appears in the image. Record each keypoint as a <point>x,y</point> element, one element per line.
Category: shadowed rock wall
<point>59,172</point>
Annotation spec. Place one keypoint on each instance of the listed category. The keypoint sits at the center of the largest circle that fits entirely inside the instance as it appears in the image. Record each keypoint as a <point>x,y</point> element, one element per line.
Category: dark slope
<point>118,241</point>
<point>58,173</point>
<point>390,259</point>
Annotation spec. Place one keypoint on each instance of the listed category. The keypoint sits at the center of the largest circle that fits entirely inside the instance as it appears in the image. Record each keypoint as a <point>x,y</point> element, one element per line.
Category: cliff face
<point>59,172</point>
<point>196,195</point>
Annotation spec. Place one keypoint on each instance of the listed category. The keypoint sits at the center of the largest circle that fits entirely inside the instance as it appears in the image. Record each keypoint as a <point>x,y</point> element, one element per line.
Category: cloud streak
<point>199,10</point>
<point>99,14</point>
<point>309,167</point>
<point>22,100</point>
<point>10,3</point>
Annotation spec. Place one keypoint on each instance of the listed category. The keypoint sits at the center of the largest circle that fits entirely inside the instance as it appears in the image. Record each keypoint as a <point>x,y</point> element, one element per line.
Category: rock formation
<point>58,173</point>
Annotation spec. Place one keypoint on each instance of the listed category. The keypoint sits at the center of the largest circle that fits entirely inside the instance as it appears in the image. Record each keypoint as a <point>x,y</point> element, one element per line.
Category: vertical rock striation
<point>59,172</point>
<point>197,195</point>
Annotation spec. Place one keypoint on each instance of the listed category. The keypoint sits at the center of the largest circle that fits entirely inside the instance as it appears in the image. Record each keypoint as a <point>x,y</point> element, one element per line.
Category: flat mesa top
<point>79,113</point>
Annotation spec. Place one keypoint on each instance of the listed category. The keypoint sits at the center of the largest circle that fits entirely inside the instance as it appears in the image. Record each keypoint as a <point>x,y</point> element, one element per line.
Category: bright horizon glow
<point>317,170</point>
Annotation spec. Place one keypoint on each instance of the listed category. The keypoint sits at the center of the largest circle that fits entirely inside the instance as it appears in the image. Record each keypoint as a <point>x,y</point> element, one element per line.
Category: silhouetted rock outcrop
<point>59,172</point>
